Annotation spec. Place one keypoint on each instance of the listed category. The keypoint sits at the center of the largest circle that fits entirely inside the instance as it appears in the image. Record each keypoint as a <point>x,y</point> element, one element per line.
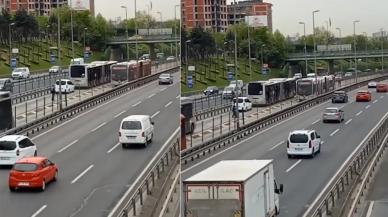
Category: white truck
<point>233,188</point>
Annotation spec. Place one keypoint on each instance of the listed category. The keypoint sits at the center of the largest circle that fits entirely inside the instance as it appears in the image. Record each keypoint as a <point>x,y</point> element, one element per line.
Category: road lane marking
<point>113,148</point>
<point>81,174</point>
<point>98,127</point>
<point>156,113</point>
<point>360,112</point>
<point>370,209</point>
<point>335,131</point>
<point>322,142</point>
<point>294,165</point>
<point>120,113</point>
<point>163,89</point>
<point>168,104</point>
<point>39,211</point>
<point>381,97</point>
<point>375,101</point>
<point>368,106</point>
<point>67,146</point>
<point>315,121</point>
<point>136,104</point>
<point>280,143</point>
<point>150,96</point>
<point>178,96</point>
<point>313,204</point>
<point>347,122</point>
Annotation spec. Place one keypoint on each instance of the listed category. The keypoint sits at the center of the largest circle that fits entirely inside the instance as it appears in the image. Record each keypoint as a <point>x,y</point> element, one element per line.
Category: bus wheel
<point>192,128</point>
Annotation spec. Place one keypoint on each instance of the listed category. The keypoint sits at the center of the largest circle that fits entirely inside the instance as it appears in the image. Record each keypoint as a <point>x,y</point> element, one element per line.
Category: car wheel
<point>12,189</point>
<point>124,145</point>
<point>145,144</point>
<point>35,153</point>
<point>152,136</point>
<point>192,128</point>
<point>319,149</point>
<point>289,156</point>
<point>312,153</point>
<point>43,187</point>
<point>332,101</point>
<point>55,176</point>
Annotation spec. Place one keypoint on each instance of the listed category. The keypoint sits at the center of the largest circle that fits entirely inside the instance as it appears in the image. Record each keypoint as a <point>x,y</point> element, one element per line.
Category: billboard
<point>257,21</point>
<point>146,32</point>
<point>340,47</point>
<point>80,5</point>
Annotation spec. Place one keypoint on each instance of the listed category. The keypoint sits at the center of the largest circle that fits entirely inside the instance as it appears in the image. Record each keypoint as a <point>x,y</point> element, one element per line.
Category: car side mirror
<point>153,123</point>
<point>318,136</point>
<point>281,188</point>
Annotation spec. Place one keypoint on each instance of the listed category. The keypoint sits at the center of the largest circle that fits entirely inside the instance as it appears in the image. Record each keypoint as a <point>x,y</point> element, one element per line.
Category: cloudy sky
<point>373,15</point>
<point>111,9</point>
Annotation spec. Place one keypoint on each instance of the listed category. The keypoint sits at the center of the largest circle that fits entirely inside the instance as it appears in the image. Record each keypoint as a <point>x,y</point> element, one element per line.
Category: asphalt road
<point>87,148</point>
<point>304,178</point>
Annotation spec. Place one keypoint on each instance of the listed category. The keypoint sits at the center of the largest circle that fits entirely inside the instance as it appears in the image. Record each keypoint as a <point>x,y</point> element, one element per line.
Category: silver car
<point>165,79</point>
<point>333,114</point>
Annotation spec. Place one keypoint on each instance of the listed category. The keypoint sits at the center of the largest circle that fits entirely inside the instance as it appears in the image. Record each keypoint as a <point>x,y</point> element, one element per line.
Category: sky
<point>288,13</point>
<point>111,9</point>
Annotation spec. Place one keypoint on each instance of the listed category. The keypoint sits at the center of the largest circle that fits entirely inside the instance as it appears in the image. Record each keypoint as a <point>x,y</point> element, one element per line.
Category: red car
<point>363,95</point>
<point>382,87</point>
<point>32,172</point>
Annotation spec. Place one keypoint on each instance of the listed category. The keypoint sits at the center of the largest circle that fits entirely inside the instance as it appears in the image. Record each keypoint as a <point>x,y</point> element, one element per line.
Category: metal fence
<point>131,202</point>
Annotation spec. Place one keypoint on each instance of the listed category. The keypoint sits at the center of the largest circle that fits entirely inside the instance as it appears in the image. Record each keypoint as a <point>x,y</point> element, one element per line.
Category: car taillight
<point>119,133</point>
<point>17,152</point>
<point>288,144</point>
<point>310,144</point>
<point>143,134</point>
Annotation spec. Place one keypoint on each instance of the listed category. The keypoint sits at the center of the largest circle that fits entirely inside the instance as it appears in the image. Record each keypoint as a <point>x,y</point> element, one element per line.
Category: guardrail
<point>133,199</point>
<point>210,112</point>
<point>349,173</point>
<point>198,151</point>
<point>24,85</point>
<point>22,97</point>
<point>70,111</point>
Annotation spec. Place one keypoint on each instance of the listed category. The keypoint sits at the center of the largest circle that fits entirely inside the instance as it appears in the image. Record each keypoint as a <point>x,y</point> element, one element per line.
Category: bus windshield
<point>255,89</point>
<point>119,73</point>
<point>77,71</point>
<point>305,88</point>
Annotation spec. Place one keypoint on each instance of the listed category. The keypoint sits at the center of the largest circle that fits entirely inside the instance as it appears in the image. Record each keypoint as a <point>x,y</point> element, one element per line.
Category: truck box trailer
<point>233,188</point>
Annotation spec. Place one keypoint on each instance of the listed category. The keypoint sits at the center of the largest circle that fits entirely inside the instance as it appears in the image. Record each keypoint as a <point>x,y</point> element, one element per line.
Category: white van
<point>136,129</point>
<point>66,86</point>
<point>15,147</point>
<point>239,83</point>
<point>303,142</point>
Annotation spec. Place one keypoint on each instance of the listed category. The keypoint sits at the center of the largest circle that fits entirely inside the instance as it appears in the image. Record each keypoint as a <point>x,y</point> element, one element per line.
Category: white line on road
<point>120,113</point>
<point>156,113</point>
<point>381,97</point>
<point>67,146</point>
<point>168,104</point>
<point>368,106</point>
<point>335,131</point>
<point>113,148</point>
<point>39,211</point>
<point>347,122</point>
<point>280,143</point>
<point>322,142</point>
<point>83,173</point>
<point>98,127</point>
<point>370,209</point>
<point>151,95</point>
<point>360,112</point>
<point>178,96</point>
<point>375,101</point>
<point>315,121</point>
<point>294,165</point>
<point>136,104</point>
<point>163,89</point>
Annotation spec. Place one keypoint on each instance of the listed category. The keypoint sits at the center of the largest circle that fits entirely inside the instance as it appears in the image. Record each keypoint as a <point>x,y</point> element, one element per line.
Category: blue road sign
<point>230,76</point>
<point>52,59</point>
<point>13,63</point>
<point>86,55</point>
<point>190,81</point>
<point>264,71</point>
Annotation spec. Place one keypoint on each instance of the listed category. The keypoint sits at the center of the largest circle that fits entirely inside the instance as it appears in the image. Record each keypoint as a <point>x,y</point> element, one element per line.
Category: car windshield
<point>299,138</point>
<point>131,125</point>
<point>7,145</point>
<point>331,111</point>
<point>239,100</point>
<point>2,82</point>
<point>62,83</point>
<point>229,89</point>
<point>55,67</point>
<point>164,75</point>
<point>210,88</point>
<point>19,70</point>
<point>25,167</point>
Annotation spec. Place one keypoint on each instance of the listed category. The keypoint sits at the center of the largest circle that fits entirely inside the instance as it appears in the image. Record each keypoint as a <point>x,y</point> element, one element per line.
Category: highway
<point>94,171</point>
<point>304,178</point>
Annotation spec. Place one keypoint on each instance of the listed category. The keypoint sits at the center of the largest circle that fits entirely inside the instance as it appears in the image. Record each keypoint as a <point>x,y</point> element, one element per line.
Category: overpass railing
<point>338,53</point>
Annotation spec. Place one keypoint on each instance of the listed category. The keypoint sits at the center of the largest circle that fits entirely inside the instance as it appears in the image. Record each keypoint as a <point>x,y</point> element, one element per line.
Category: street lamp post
<point>187,59</point>
<point>339,41</point>
<point>235,63</point>
<point>136,45</point>
<point>355,48</point>
<point>366,40</point>
<point>85,38</point>
<point>10,42</point>
<point>382,49</point>
<point>126,24</point>
<point>305,44</point>
<point>72,30</point>
<point>176,42</point>
<point>315,45</point>
<point>59,56</point>
<point>249,52</point>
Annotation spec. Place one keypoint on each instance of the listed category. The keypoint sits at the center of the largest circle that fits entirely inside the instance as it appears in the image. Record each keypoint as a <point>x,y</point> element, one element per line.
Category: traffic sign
<point>189,81</point>
<point>230,76</point>
<point>13,63</point>
<point>52,58</point>
<point>264,69</point>
<point>86,55</point>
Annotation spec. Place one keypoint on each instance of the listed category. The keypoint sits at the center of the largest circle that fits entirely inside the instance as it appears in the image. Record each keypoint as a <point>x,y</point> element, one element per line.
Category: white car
<point>66,86</point>
<point>228,92</point>
<point>303,142</point>
<point>243,104</point>
<point>372,84</point>
<point>22,72</point>
<point>15,147</point>
<point>136,129</point>
<point>348,74</point>
<point>55,70</point>
<point>170,58</point>
<point>298,75</point>
<point>311,75</point>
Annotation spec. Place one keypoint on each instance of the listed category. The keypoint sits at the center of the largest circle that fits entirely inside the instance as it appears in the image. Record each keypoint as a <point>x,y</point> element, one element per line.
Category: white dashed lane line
<point>136,104</point>
<point>334,132</point>
<point>113,148</point>
<point>315,121</point>
<point>368,106</point>
<point>39,211</point>
<point>68,146</point>
<point>150,96</point>
<point>156,113</point>
<point>294,165</point>
<point>360,112</point>
<point>275,146</point>
<point>119,114</point>
<point>82,174</point>
<point>375,101</point>
<point>168,104</point>
<point>347,122</point>
<point>99,126</point>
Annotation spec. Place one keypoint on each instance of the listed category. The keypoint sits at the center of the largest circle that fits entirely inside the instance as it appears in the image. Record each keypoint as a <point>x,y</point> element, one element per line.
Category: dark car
<point>212,90</point>
<point>6,84</point>
<point>339,97</point>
